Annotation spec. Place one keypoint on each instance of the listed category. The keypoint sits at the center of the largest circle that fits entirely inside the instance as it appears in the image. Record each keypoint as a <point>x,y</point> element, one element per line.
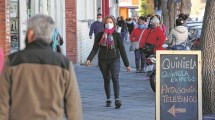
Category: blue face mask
<point>141,26</point>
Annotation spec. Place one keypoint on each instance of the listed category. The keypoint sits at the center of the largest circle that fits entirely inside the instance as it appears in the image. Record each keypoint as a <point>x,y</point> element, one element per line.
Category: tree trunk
<point>186,6</point>
<point>165,14</point>
<point>208,71</point>
<point>168,12</point>
<point>171,14</point>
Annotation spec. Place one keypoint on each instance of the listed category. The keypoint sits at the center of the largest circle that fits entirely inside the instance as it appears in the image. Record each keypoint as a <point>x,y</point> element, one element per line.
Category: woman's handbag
<point>135,45</point>
<point>148,48</point>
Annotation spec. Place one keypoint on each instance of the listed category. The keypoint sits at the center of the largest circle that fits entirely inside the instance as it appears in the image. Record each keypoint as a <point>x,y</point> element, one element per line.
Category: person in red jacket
<point>135,36</point>
<point>153,35</point>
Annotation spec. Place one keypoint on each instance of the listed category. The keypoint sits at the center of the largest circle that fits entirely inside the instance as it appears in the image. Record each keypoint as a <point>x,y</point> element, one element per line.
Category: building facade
<point>87,11</point>
<point>73,19</point>
<point>128,8</point>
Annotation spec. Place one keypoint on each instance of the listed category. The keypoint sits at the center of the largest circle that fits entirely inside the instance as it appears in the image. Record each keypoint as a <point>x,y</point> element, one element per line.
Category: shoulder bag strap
<point>141,35</point>
<point>148,35</point>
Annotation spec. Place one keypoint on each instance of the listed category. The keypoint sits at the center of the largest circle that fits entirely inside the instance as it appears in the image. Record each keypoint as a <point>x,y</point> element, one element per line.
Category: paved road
<point>138,100</point>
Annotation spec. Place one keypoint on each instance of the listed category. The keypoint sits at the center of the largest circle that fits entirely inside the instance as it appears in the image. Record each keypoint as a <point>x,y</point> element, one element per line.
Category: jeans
<point>140,55</point>
<point>123,34</point>
<point>110,70</point>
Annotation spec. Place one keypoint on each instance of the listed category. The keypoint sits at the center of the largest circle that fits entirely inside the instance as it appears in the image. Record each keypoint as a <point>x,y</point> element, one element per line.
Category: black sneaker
<point>118,104</point>
<point>108,103</point>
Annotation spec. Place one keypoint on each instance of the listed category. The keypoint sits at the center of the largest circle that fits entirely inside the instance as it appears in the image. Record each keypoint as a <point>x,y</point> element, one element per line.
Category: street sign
<point>178,85</point>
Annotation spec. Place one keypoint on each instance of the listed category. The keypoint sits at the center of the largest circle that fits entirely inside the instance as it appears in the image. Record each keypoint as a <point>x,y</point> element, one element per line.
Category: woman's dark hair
<point>142,18</point>
<point>179,22</point>
<point>109,17</point>
<point>158,16</point>
<point>183,16</point>
<point>149,25</point>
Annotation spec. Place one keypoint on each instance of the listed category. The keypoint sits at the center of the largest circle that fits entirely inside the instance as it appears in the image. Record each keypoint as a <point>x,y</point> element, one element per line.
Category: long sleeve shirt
<point>95,28</point>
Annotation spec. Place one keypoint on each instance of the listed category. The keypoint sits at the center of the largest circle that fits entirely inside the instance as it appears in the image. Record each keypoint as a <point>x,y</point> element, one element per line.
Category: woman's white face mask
<point>109,26</point>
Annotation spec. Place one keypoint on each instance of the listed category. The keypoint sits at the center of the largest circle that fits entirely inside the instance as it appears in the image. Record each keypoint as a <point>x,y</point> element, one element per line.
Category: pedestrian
<point>130,26</point>
<point>184,17</point>
<point>96,26</point>
<point>110,46</point>
<point>149,16</point>
<point>154,36</point>
<point>57,41</point>
<point>179,34</point>
<point>162,26</point>
<point>38,83</point>
<point>136,36</point>
<point>122,24</point>
<point>1,59</point>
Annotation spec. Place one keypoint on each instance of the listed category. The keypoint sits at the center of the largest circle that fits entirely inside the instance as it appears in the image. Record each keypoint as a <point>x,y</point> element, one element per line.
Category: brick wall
<point>71,33</point>
<point>5,25</point>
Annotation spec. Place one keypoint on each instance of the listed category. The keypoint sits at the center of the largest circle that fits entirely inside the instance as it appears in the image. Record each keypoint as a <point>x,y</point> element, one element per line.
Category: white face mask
<point>99,19</point>
<point>109,26</point>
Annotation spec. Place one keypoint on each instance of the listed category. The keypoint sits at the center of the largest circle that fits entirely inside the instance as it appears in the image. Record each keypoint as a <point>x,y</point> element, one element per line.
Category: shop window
<point>14,26</point>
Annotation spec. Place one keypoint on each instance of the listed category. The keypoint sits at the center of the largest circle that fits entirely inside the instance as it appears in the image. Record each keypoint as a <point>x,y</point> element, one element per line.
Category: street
<point>138,100</point>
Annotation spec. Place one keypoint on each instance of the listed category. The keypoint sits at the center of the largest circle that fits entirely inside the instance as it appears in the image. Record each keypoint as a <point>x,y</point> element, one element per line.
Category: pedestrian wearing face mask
<point>96,26</point>
<point>136,35</point>
<point>153,35</point>
<point>109,46</point>
<point>130,25</point>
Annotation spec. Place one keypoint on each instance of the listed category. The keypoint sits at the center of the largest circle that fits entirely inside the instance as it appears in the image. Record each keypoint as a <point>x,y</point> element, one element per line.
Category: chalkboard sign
<point>178,85</point>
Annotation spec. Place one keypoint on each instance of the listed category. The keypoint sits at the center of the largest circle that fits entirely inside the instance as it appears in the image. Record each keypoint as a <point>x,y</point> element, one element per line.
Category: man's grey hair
<point>43,27</point>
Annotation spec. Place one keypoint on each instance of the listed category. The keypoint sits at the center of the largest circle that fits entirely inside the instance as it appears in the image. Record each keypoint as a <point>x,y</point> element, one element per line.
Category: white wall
<point>22,22</point>
<point>84,43</point>
<point>86,10</point>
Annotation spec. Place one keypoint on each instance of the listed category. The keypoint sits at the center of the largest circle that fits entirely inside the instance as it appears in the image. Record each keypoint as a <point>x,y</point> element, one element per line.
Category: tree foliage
<point>146,7</point>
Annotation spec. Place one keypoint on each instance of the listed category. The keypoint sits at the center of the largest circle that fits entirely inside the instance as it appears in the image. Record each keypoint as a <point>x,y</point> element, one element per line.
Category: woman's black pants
<point>110,70</point>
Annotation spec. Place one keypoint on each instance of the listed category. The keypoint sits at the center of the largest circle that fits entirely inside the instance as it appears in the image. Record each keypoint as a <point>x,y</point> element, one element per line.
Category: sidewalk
<point>138,100</point>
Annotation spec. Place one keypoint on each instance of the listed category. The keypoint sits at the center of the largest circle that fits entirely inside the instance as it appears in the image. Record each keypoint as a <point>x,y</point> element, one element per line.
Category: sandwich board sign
<point>178,85</point>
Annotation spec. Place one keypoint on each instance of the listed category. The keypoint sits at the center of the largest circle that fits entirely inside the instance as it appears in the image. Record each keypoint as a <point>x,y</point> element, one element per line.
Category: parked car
<point>193,24</point>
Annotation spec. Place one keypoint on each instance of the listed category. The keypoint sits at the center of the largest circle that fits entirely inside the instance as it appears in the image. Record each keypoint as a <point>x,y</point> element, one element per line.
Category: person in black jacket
<point>109,43</point>
<point>122,23</point>
<point>130,26</point>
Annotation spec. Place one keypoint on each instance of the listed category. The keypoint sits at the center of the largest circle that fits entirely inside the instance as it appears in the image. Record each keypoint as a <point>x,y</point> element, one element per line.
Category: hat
<point>155,20</point>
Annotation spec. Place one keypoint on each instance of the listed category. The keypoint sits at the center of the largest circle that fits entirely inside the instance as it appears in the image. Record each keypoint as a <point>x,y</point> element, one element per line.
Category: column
<point>5,26</point>
<point>71,30</point>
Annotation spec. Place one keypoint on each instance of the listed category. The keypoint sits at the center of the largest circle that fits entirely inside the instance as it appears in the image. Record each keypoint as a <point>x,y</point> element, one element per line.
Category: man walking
<point>38,83</point>
<point>96,26</point>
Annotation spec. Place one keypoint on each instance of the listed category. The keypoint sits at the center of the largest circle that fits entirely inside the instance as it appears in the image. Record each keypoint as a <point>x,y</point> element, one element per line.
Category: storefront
<point>21,11</point>
<point>128,8</point>
<point>15,13</point>
<point>14,25</point>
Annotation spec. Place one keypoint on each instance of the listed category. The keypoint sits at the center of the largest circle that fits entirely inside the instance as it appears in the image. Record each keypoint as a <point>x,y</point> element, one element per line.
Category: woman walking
<point>109,43</point>
<point>136,36</point>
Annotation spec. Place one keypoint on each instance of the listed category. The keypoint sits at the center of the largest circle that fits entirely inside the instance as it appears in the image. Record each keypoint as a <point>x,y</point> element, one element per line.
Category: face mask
<point>129,22</point>
<point>109,26</point>
<point>153,26</point>
<point>99,19</point>
<point>141,26</point>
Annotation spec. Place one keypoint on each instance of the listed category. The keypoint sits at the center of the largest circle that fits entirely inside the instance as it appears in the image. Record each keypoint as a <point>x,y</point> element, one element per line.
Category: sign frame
<point>199,71</point>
